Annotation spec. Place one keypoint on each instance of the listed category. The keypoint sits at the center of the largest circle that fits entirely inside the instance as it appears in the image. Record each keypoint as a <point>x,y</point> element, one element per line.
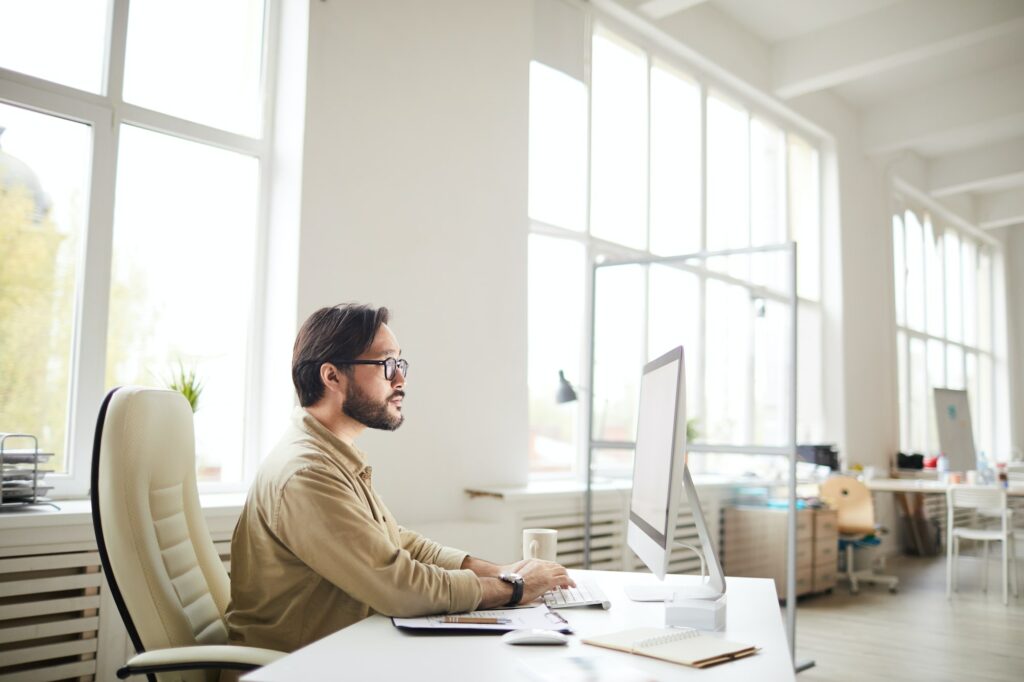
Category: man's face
<point>370,398</point>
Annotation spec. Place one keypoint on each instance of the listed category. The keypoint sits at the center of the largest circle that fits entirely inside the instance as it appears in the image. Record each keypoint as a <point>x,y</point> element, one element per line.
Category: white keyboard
<point>584,594</point>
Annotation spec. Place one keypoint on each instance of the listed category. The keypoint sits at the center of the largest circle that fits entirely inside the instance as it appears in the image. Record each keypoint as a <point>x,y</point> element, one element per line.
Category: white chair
<point>162,569</point>
<point>988,502</point>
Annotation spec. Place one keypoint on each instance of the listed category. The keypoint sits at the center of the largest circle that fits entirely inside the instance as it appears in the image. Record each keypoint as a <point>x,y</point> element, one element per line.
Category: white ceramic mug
<point>540,543</point>
<point>972,478</point>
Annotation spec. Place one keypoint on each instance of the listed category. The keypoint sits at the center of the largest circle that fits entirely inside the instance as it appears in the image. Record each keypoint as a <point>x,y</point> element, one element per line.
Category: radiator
<point>49,616</point>
<point>509,515</point>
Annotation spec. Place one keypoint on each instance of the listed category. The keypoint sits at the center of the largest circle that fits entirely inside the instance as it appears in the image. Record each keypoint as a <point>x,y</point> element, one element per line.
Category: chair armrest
<point>222,657</point>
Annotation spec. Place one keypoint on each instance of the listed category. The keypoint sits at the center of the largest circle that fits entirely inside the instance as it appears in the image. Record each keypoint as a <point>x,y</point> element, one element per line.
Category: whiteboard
<point>956,438</point>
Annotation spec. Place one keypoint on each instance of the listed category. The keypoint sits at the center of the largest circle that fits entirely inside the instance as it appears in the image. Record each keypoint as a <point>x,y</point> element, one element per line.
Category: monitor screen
<point>662,483</point>
<point>953,419</point>
<point>655,438</point>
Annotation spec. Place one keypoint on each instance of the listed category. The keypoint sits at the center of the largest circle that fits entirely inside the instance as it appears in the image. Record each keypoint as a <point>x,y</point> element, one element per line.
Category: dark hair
<point>341,332</point>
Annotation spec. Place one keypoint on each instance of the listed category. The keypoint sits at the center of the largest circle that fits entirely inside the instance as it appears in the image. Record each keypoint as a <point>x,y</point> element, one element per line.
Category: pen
<point>475,620</point>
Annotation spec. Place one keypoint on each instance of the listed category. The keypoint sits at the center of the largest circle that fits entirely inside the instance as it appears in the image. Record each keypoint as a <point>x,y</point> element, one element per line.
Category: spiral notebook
<point>676,645</point>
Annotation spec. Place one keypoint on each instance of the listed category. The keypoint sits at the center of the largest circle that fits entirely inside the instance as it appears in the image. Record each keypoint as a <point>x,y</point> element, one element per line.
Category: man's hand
<point>538,577</point>
<point>541,576</point>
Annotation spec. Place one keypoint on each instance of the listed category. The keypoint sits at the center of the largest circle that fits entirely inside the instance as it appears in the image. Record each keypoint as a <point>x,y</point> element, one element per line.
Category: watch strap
<point>518,587</point>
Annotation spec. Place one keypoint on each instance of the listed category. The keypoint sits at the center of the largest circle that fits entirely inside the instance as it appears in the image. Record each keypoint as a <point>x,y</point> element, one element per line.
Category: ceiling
<point>941,81</point>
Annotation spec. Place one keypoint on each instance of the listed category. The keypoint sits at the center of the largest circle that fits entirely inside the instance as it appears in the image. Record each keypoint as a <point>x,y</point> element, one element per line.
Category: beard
<point>364,410</point>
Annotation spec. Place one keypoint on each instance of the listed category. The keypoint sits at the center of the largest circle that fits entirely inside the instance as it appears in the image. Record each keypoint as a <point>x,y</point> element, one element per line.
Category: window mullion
<point>701,395</point>
<point>197,132</point>
<point>116,49</point>
<point>256,381</point>
<point>91,309</point>
<point>89,353</point>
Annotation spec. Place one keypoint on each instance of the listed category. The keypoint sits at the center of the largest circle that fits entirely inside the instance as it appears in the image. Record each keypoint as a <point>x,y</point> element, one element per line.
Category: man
<point>316,549</point>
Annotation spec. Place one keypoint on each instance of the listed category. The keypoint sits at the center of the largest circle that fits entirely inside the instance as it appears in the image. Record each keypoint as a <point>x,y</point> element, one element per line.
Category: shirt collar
<point>351,457</point>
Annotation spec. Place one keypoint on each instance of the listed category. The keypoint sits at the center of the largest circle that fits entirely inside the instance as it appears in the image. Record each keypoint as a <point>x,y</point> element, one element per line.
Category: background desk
<point>374,649</point>
<point>910,494</point>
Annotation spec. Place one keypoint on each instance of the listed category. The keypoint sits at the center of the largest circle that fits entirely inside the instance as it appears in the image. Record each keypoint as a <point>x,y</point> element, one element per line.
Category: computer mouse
<point>532,636</point>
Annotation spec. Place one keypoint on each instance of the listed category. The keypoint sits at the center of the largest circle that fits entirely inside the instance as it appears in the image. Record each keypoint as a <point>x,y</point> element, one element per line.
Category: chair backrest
<point>852,500</point>
<point>160,563</point>
<point>987,497</point>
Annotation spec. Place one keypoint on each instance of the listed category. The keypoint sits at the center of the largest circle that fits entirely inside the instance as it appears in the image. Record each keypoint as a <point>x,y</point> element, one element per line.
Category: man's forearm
<point>483,569</point>
<point>496,592</point>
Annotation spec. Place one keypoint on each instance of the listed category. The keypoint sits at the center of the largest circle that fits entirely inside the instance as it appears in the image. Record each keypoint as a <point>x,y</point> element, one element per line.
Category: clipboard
<point>538,617</point>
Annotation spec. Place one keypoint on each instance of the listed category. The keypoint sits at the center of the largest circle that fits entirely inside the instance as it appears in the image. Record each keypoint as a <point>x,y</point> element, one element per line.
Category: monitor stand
<point>665,592</point>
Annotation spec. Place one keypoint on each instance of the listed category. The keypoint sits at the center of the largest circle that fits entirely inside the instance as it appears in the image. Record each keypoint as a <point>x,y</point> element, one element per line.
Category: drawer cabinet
<point>754,545</point>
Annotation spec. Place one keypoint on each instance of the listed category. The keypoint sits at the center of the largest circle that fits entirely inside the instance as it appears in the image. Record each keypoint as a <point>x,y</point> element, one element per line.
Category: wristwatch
<point>516,581</point>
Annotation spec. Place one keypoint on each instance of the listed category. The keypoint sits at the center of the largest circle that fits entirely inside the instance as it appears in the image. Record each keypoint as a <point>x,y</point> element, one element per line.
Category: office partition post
<point>588,496</point>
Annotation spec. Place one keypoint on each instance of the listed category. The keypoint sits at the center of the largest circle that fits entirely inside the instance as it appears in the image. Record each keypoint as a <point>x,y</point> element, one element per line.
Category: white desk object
<point>910,494</point>
<point>374,649</point>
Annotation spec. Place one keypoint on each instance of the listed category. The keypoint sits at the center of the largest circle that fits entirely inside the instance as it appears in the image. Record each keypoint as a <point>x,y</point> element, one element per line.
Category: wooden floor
<point>915,634</point>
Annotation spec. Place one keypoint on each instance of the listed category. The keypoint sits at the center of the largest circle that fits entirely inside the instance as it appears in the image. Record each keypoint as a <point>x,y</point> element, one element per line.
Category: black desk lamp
<point>565,393</point>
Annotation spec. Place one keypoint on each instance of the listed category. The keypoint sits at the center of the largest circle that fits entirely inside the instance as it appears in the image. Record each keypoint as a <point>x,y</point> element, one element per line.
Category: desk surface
<point>918,485</point>
<point>374,649</point>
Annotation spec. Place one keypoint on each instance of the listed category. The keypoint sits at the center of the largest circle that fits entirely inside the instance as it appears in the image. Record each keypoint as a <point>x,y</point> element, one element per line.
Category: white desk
<point>922,486</point>
<point>910,494</point>
<point>374,649</point>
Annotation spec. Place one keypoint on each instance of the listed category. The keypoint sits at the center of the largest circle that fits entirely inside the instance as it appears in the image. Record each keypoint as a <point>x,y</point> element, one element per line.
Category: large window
<point>947,283</point>
<point>133,168</point>
<point>661,164</point>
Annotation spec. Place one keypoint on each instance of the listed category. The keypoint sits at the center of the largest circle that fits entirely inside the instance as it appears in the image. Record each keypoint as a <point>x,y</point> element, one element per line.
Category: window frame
<point>105,114</point>
<point>597,249</point>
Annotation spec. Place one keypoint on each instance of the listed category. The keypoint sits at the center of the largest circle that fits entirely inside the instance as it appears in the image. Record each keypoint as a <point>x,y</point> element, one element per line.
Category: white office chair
<point>988,502</point>
<point>159,561</point>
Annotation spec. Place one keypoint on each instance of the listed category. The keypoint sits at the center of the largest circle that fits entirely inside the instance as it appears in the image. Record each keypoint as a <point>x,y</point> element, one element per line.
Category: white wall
<point>414,197</point>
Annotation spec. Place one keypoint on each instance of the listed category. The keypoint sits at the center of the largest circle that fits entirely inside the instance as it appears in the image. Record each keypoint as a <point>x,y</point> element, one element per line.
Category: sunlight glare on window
<point>618,194</point>
<point>558,148</point>
<point>555,336</point>
<point>181,281</point>
<point>675,163</point>
<point>618,350</point>
<point>915,272</point>
<point>728,208</point>
<point>674,303</point>
<point>899,269</point>
<point>213,77</point>
<point>954,314</point>
<point>728,356</point>
<point>44,196</point>
<point>56,40</point>
<point>805,214</point>
<point>934,290</point>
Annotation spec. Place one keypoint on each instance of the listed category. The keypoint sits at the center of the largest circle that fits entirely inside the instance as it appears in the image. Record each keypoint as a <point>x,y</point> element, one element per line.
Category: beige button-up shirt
<point>316,550</point>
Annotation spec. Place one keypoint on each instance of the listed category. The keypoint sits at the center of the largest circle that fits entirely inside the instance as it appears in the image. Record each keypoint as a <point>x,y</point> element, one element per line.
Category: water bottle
<point>985,473</point>
<point>942,466</point>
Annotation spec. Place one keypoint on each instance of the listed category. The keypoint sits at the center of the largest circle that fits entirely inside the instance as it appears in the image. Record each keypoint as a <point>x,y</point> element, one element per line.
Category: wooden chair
<point>857,528</point>
<point>989,502</point>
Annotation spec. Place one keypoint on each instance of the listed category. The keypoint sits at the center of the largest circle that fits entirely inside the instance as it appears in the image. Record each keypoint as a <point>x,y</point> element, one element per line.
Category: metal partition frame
<point>789,449</point>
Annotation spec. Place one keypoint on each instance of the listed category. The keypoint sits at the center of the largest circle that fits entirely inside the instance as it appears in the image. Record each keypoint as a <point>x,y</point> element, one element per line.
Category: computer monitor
<point>956,437</point>
<point>662,482</point>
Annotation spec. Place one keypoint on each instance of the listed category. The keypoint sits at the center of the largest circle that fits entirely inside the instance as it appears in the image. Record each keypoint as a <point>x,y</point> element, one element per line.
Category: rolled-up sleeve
<point>323,520</point>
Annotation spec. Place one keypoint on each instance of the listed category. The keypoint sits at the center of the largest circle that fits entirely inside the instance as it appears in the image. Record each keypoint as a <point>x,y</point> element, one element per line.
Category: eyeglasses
<point>390,366</point>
